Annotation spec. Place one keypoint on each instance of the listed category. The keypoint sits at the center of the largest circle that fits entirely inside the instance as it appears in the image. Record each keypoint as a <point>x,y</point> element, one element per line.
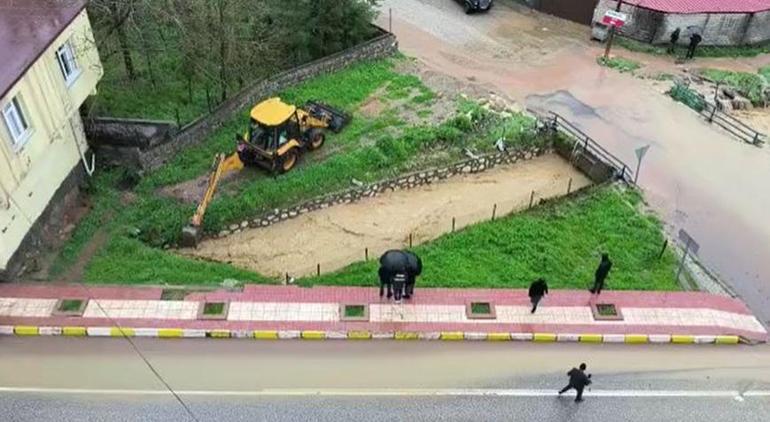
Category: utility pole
<point>611,36</point>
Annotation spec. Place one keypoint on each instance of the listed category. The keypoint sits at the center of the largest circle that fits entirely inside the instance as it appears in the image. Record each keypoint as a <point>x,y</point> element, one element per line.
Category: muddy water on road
<point>697,177</point>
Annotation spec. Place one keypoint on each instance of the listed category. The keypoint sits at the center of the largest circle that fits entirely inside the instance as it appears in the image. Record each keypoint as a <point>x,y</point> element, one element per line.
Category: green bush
<point>686,96</point>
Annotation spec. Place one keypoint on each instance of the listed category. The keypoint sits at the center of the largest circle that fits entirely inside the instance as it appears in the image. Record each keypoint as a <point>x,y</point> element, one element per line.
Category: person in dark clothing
<point>695,39</point>
<point>577,380</point>
<point>537,290</point>
<point>601,274</point>
<point>414,269</point>
<point>674,40</point>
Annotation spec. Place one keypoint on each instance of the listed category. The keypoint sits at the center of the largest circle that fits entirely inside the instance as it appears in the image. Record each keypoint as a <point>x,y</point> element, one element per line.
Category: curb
<point>173,333</point>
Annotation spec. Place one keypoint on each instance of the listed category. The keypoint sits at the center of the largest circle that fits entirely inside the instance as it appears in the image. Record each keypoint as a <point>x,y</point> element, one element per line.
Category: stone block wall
<point>758,28</point>
<point>407,181</point>
<point>148,155</point>
<point>721,29</point>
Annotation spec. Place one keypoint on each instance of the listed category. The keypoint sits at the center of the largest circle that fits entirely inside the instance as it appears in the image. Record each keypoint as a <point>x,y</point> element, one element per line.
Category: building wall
<point>32,173</point>
<point>717,29</point>
<point>758,29</point>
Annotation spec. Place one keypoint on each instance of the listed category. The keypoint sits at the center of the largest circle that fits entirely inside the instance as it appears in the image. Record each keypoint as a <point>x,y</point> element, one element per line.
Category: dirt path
<point>337,236</point>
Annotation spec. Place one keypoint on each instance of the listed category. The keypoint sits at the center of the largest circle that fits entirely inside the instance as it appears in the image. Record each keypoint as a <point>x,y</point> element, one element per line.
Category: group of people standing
<point>695,39</point>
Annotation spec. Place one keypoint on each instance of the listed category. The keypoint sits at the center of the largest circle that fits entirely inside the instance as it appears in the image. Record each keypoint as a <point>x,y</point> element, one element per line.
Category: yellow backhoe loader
<point>278,135</point>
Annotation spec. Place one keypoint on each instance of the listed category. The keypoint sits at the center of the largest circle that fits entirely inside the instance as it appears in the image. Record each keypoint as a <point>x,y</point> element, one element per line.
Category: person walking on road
<point>601,274</point>
<point>577,380</point>
<point>674,40</point>
<point>537,290</point>
<point>695,39</point>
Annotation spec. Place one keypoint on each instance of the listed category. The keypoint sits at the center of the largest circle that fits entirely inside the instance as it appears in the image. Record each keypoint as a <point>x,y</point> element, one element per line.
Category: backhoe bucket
<point>191,235</point>
<point>337,119</point>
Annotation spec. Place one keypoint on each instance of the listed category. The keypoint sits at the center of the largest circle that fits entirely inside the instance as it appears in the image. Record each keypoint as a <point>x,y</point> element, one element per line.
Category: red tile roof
<point>27,28</point>
<point>704,6</point>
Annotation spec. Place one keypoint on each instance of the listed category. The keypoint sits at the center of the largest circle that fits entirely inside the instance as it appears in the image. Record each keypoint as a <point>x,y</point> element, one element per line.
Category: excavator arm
<point>222,165</point>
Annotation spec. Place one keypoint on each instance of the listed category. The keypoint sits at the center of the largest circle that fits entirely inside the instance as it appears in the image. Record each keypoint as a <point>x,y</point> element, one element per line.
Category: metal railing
<point>713,114</point>
<point>584,143</point>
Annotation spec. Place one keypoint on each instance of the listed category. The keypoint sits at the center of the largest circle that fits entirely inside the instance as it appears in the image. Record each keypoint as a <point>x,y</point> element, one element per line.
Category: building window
<point>69,66</point>
<point>16,122</point>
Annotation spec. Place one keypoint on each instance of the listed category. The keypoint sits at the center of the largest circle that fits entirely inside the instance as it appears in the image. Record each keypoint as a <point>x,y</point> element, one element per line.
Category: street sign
<point>689,242</point>
<point>640,152</point>
<point>614,19</point>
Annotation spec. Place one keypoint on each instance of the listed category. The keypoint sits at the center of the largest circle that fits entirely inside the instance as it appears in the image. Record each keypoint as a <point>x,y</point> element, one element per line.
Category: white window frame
<point>68,64</point>
<point>16,122</point>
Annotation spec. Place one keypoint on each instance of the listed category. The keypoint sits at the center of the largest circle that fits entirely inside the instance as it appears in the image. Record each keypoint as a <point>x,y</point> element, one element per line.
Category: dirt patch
<point>373,106</point>
<point>336,236</point>
<point>757,119</point>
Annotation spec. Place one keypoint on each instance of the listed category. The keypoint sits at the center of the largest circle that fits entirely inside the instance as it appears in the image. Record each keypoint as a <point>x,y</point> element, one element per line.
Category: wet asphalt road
<point>695,176</point>
<point>34,408</point>
<point>63,379</point>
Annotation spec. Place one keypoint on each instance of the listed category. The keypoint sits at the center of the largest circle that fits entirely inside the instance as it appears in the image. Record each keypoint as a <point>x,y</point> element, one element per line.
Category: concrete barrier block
<point>74,331</point>
<point>522,336</point>
<point>49,331</point>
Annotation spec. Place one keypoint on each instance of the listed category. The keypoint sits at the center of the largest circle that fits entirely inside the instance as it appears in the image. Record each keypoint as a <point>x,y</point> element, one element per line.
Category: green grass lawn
<point>620,64</point>
<point>749,84</point>
<point>703,51</point>
<point>561,241</point>
<point>140,221</point>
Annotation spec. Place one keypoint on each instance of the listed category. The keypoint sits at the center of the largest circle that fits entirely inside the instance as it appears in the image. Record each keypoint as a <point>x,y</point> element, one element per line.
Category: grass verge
<point>703,51</point>
<point>620,64</point>
<point>750,85</point>
<point>560,241</point>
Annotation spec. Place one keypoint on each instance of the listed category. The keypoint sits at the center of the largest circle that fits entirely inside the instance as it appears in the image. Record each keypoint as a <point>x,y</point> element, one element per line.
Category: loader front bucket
<point>337,119</point>
<point>191,235</point>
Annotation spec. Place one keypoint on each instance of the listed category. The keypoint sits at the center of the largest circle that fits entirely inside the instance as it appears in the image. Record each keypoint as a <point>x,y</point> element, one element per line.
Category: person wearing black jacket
<point>601,274</point>
<point>674,40</point>
<point>695,39</point>
<point>577,380</point>
<point>537,290</point>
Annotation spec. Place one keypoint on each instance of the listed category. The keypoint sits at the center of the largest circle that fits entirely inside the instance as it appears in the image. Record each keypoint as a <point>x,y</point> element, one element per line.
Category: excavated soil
<point>337,236</point>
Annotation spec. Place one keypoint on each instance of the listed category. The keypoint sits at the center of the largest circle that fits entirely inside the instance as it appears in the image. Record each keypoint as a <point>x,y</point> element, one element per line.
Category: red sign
<point>613,18</point>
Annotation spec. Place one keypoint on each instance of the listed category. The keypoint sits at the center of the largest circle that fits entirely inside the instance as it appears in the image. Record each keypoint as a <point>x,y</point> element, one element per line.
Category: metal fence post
<point>453,224</point>
<point>494,211</point>
<point>531,198</point>
<point>318,269</point>
<point>410,239</point>
<point>366,254</point>
<point>569,186</point>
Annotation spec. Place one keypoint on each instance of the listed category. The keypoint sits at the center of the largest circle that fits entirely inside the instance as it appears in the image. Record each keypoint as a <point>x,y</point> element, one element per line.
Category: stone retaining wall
<point>407,181</point>
<point>144,155</point>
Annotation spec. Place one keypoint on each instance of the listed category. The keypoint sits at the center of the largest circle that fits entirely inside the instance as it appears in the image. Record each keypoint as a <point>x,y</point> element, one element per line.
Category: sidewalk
<point>294,312</point>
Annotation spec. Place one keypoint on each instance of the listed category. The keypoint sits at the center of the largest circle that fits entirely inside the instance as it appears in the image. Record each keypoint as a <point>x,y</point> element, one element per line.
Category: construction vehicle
<point>277,136</point>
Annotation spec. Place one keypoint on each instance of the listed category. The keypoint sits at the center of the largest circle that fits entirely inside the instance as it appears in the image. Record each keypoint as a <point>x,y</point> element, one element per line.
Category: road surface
<point>91,379</point>
<point>695,176</point>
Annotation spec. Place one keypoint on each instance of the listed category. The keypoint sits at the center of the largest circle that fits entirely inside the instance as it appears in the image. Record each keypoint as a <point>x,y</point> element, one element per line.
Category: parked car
<point>476,5</point>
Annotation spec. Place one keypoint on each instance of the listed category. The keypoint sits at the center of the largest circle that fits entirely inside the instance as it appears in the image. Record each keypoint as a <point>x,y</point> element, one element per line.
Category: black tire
<point>288,161</point>
<point>468,8</point>
<point>315,139</point>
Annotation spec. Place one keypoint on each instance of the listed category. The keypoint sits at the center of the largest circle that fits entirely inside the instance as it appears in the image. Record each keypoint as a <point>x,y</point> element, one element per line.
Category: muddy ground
<point>337,236</point>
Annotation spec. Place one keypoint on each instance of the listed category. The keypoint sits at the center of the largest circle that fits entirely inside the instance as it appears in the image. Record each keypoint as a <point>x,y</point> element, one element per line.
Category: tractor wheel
<point>315,139</point>
<point>288,160</point>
